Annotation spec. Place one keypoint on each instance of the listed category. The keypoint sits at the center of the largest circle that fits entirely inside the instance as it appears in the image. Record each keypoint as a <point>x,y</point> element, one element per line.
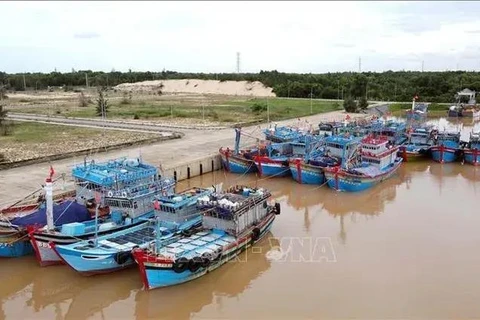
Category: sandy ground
<point>234,88</point>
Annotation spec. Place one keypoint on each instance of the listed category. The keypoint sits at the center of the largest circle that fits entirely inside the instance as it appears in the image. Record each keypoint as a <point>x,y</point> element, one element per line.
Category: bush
<point>136,117</point>
<point>349,105</point>
<point>83,101</point>
<point>127,98</point>
<point>258,107</point>
<point>362,103</point>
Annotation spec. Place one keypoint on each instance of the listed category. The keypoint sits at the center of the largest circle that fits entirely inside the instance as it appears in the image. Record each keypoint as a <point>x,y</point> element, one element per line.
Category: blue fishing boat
<point>446,146</point>
<point>114,185</point>
<point>326,152</point>
<point>283,134</point>
<point>240,161</point>
<point>418,145</point>
<point>232,221</point>
<point>395,131</point>
<point>276,161</point>
<point>418,112</point>
<point>367,164</point>
<point>471,154</point>
<point>176,213</point>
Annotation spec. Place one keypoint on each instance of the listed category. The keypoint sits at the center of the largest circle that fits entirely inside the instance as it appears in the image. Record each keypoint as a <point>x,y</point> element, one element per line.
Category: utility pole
<point>24,83</point>
<point>311,100</point>
<point>422,65</point>
<point>338,90</point>
<point>86,80</point>
<point>359,64</point>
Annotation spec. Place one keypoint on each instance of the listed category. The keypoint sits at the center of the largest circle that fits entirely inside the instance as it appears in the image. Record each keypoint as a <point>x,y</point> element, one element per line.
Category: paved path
<point>18,182</point>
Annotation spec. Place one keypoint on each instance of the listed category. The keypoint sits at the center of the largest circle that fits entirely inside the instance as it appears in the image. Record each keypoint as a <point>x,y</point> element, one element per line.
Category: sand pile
<point>234,88</point>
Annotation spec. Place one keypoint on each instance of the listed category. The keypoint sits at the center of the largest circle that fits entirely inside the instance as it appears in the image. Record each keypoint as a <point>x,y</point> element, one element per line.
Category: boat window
<point>135,205</point>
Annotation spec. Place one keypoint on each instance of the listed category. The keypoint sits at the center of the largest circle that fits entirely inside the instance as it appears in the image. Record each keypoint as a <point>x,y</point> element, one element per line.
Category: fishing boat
<point>446,146</point>
<point>276,160</point>
<point>16,218</point>
<point>471,154</point>
<point>418,145</point>
<point>368,163</point>
<point>117,184</point>
<point>326,152</point>
<point>176,213</point>
<point>283,134</point>
<point>239,161</point>
<point>395,131</point>
<point>418,112</point>
<point>232,221</point>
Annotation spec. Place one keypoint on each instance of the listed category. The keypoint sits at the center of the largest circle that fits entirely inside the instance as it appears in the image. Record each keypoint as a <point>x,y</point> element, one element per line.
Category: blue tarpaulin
<point>66,212</point>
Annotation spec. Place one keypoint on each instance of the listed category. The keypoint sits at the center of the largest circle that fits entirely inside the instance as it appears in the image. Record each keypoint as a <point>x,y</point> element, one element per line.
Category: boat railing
<point>143,189</point>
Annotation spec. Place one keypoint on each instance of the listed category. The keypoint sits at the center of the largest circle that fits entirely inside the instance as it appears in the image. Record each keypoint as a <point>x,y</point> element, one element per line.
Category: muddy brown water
<point>408,248</point>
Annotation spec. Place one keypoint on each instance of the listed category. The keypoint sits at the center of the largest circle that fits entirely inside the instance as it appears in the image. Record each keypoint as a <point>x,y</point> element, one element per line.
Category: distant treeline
<point>385,86</point>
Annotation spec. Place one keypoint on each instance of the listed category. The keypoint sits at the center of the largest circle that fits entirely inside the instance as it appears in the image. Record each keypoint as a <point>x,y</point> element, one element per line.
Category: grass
<point>213,108</point>
<point>434,109</point>
<point>33,132</point>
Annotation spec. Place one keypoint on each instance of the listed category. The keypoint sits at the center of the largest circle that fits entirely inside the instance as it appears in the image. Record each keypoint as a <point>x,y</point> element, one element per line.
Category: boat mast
<point>95,242</point>
<point>237,140</point>
<point>49,200</point>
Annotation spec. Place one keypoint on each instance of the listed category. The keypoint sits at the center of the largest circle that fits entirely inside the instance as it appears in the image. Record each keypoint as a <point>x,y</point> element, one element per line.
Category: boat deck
<point>131,239</point>
<point>197,244</point>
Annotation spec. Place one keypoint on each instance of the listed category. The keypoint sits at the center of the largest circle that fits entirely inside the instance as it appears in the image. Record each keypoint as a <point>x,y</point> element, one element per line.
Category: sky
<point>301,37</point>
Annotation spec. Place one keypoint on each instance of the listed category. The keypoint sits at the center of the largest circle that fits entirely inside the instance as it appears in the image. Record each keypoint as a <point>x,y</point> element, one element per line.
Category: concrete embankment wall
<point>194,168</point>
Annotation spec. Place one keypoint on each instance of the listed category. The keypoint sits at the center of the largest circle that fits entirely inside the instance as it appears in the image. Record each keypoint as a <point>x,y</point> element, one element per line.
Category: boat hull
<point>270,167</point>
<point>344,181</point>
<point>411,156</point>
<point>443,154</point>
<point>157,274</point>
<point>16,246</point>
<point>105,261</point>
<point>43,243</point>
<point>306,174</point>
<point>237,164</point>
<point>472,156</point>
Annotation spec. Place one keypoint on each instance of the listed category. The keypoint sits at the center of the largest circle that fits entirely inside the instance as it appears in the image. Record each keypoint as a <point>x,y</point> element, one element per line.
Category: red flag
<point>347,117</point>
<point>416,97</point>
<point>52,172</point>
<point>156,205</point>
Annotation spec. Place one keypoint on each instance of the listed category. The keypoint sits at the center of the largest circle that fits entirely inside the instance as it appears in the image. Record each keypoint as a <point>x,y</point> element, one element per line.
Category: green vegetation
<point>222,110</point>
<point>5,125</point>
<point>385,86</point>
<point>102,103</point>
<point>33,132</point>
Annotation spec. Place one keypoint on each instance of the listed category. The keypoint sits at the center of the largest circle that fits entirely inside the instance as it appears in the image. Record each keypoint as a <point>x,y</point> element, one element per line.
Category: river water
<point>407,248</point>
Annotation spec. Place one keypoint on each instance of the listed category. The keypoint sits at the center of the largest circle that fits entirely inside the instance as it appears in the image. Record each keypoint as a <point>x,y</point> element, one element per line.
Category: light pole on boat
<point>96,224</point>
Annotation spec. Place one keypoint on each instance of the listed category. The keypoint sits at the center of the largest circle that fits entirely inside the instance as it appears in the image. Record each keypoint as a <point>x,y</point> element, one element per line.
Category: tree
<point>349,105</point>
<point>5,125</point>
<point>3,91</point>
<point>102,102</point>
<point>362,103</point>
<point>83,101</point>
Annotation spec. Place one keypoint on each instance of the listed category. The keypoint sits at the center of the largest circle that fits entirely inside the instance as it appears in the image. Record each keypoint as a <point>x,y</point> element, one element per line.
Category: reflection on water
<point>180,302</point>
<point>405,245</point>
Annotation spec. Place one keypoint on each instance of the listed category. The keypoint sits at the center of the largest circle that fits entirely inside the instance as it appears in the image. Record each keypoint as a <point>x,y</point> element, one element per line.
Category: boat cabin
<point>335,146</point>
<point>235,210</point>
<point>179,206</point>
<point>92,179</point>
<point>378,152</point>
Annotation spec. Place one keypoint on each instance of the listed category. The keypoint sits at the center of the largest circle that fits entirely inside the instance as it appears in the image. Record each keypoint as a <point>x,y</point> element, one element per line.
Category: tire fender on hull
<point>122,257</point>
<point>180,265</point>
